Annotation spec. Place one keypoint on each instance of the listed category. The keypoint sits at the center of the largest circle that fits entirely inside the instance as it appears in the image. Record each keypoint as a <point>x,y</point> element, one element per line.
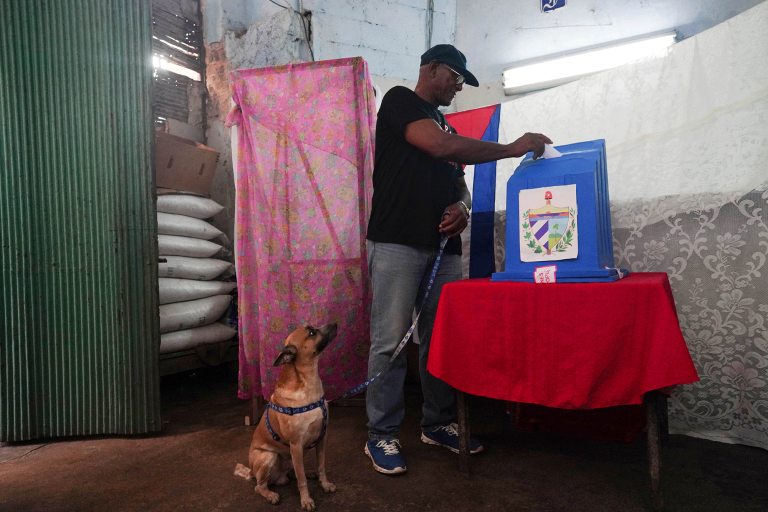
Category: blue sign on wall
<point>551,5</point>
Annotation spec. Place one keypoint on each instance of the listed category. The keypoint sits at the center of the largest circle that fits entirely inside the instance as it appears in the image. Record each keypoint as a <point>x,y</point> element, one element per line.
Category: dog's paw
<point>307,504</point>
<point>328,487</point>
<point>311,475</point>
<point>272,497</point>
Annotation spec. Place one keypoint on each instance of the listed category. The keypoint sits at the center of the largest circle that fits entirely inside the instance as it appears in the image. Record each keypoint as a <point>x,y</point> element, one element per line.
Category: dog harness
<point>290,411</point>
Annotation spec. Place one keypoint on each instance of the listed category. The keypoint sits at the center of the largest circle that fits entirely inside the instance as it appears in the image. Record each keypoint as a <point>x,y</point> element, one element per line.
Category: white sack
<point>170,245</point>
<point>181,225</point>
<point>191,206</point>
<point>191,338</point>
<point>194,313</point>
<point>180,290</point>
<point>200,269</point>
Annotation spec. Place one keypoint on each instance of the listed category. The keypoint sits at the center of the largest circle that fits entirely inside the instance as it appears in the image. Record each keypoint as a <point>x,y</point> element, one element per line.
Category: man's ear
<point>288,355</point>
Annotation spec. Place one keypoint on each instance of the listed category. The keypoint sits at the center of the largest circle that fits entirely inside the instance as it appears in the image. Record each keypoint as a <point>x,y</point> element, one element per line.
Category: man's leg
<point>396,273</point>
<point>439,397</point>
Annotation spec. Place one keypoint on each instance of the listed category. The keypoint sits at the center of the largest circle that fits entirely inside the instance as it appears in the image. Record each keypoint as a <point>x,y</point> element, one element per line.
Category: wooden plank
<point>190,360</point>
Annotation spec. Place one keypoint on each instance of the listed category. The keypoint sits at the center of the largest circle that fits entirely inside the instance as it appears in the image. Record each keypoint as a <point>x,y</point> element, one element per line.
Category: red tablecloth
<point>567,345</point>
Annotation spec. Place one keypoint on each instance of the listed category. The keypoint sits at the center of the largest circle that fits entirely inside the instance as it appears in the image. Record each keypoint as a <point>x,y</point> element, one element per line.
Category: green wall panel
<point>78,269</point>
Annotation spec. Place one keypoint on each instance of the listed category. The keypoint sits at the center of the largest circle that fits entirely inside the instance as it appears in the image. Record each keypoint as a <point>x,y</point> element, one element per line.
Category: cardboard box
<point>183,164</point>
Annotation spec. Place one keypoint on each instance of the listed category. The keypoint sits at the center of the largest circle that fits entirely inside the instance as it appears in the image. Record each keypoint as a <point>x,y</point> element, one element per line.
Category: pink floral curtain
<point>304,167</point>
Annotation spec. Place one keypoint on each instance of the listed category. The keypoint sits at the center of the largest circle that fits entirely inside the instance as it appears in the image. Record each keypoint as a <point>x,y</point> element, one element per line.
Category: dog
<point>282,438</point>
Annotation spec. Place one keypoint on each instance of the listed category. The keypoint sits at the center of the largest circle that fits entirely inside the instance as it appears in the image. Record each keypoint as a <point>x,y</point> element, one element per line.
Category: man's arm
<point>455,221</point>
<point>427,135</point>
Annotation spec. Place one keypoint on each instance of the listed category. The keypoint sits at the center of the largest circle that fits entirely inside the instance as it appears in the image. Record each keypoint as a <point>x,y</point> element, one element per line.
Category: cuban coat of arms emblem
<point>548,225</point>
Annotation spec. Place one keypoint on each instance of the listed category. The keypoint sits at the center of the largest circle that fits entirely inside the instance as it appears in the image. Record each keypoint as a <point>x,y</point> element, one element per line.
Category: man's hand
<point>453,222</point>
<point>530,142</point>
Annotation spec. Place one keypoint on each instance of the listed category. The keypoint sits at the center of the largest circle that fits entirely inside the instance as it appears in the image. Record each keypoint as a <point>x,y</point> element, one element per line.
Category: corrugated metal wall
<point>79,328</point>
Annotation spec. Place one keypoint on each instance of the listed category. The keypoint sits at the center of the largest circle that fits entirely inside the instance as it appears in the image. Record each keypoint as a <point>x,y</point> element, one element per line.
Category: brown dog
<point>299,385</point>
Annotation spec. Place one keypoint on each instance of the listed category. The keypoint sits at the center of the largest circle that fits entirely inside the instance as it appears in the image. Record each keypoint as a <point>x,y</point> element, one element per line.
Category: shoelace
<point>390,447</point>
<point>452,429</point>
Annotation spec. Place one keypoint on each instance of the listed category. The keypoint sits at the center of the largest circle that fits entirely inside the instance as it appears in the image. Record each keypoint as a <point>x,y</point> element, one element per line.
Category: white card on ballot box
<point>545,274</point>
<point>550,152</point>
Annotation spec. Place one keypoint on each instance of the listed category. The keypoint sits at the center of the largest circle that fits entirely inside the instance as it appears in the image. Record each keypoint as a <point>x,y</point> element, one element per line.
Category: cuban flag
<point>480,123</point>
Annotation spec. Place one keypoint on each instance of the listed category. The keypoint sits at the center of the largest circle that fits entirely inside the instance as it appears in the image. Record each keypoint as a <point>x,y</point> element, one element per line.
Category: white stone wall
<point>390,35</point>
<point>222,16</point>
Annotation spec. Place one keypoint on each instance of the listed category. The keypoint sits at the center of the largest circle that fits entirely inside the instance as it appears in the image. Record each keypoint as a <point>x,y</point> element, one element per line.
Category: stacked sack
<point>192,300</point>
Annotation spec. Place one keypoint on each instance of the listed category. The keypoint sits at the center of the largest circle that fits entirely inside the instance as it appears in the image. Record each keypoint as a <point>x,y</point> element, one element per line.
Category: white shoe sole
<point>395,471</point>
<point>427,440</point>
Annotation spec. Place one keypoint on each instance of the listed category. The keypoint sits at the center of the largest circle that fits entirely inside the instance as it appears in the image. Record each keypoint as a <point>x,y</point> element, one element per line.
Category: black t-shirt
<point>410,188</point>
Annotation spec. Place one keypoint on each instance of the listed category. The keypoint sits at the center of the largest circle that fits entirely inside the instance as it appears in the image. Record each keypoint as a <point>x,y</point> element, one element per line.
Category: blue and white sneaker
<point>448,437</point>
<point>386,456</point>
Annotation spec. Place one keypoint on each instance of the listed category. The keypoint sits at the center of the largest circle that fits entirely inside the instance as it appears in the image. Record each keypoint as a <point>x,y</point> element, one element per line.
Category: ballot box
<point>559,218</point>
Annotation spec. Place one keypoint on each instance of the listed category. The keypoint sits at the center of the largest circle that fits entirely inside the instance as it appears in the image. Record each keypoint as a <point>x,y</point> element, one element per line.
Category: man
<point>419,194</point>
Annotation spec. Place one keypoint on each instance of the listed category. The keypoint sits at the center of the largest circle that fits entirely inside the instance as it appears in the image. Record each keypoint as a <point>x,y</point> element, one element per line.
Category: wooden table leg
<point>663,419</point>
<point>654,448</point>
<point>258,404</point>
<point>461,412</point>
<point>511,409</point>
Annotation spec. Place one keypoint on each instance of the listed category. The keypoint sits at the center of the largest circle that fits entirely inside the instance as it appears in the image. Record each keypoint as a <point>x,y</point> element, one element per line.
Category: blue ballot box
<point>558,216</point>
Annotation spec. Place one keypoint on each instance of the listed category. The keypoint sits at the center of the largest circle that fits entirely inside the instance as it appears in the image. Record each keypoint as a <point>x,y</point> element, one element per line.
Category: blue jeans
<point>400,275</point>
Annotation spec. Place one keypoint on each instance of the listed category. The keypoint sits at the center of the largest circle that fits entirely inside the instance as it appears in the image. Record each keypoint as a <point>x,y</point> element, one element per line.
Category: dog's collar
<point>290,411</point>
<point>296,410</point>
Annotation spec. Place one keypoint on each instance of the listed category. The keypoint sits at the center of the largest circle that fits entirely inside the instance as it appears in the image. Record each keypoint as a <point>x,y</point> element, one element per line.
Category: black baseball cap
<point>449,55</point>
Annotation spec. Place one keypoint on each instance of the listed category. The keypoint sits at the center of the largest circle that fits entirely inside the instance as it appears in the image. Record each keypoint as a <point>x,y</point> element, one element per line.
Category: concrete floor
<point>189,467</point>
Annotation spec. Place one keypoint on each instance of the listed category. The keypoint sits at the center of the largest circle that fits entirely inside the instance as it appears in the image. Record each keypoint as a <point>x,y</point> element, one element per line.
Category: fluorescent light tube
<point>560,70</point>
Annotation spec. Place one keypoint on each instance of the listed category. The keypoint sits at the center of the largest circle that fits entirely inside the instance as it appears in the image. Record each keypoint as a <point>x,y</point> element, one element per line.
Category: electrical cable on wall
<point>430,23</point>
<point>303,21</point>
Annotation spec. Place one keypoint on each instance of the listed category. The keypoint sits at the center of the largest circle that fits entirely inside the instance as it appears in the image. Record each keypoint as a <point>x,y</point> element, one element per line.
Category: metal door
<point>78,270</point>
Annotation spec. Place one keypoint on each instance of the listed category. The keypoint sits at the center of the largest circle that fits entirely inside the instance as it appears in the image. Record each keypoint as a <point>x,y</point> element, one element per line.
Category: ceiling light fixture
<point>564,69</point>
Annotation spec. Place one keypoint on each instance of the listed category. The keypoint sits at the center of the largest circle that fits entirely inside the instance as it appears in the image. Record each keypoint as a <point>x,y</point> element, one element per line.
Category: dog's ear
<point>287,355</point>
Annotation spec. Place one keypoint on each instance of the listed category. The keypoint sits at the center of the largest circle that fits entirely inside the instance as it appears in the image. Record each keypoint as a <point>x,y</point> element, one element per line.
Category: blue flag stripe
<point>481,263</point>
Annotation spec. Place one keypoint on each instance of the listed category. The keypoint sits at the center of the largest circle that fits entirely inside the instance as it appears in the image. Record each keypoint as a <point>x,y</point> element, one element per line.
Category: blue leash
<point>321,403</point>
<point>365,384</point>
